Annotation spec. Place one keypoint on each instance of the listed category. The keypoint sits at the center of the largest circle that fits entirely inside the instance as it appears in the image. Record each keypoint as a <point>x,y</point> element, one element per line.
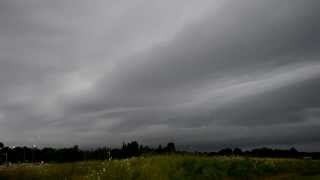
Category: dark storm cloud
<point>206,74</point>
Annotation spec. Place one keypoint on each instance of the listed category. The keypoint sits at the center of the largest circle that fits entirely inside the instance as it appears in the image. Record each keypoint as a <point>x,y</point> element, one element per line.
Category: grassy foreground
<point>173,167</point>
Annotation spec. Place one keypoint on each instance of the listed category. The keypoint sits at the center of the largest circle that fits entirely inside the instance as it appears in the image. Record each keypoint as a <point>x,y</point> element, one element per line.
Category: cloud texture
<point>206,74</point>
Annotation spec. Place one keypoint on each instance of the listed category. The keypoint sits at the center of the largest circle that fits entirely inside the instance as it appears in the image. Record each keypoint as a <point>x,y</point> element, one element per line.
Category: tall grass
<point>170,167</point>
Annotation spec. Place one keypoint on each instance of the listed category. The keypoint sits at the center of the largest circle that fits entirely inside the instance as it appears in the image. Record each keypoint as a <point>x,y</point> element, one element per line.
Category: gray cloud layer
<point>205,74</point>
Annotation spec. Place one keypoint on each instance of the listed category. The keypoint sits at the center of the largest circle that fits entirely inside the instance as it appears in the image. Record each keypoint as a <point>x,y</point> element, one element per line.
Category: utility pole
<point>24,154</point>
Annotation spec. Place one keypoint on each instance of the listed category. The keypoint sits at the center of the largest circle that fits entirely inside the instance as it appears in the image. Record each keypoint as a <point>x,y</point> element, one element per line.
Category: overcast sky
<point>205,74</point>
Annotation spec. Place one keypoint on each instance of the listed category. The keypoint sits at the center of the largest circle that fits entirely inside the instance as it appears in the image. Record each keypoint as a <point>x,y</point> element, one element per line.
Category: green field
<point>173,167</point>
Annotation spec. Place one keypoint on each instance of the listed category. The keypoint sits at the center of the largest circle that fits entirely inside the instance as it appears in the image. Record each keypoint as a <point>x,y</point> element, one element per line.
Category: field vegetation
<point>169,167</point>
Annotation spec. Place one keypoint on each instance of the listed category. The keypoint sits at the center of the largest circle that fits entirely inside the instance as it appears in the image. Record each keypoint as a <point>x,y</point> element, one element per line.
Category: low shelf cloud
<point>206,74</point>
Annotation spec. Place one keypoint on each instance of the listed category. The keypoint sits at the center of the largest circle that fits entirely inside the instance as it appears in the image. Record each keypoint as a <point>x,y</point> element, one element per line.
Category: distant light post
<point>13,147</point>
<point>33,154</point>
<point>109,154</point>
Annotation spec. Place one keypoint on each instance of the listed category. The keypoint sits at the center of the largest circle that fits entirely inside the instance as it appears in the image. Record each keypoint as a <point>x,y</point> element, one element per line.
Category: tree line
<point>268,152</point>
<point>131,149</point>
<point>19,154</point>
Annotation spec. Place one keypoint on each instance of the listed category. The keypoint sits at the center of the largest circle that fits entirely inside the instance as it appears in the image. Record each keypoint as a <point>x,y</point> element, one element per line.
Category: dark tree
<point>133,148</point>
<point>171,148</point>
<point>237,151</point>
<point>159,149</point>
<point>225,152</point>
